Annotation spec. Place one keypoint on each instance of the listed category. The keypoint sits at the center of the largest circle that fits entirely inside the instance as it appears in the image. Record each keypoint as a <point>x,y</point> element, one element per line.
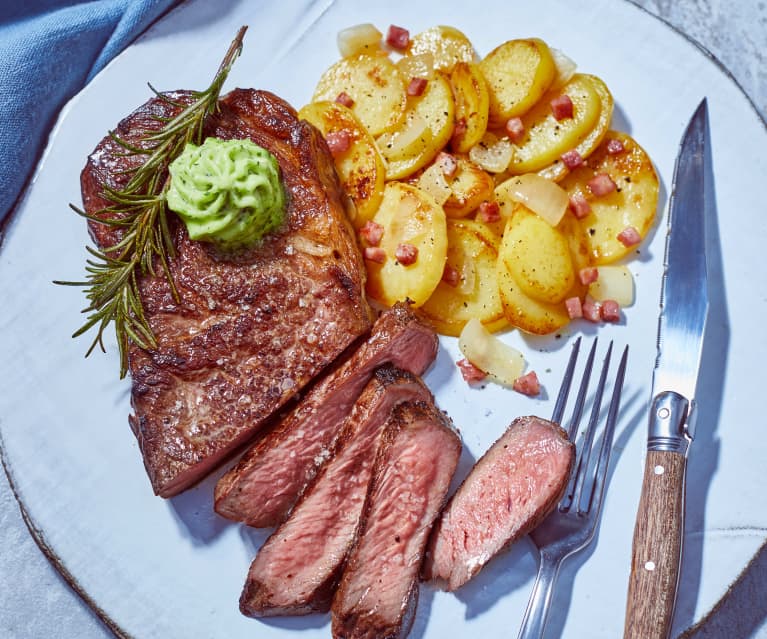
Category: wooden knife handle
<point>657,548</point>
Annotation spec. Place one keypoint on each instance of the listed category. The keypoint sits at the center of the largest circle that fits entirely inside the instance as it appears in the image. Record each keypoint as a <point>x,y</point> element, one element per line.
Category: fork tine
<point>585,455</point>
<point>564,389</point>
<point>607,439</point>
<point>572,429</point>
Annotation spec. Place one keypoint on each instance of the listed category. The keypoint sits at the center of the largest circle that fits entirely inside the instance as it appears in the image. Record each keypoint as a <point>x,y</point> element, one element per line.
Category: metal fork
<point>571,527</point>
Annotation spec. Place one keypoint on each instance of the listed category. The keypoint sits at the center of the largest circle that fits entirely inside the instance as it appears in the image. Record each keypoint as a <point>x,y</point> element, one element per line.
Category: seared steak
<point>247,333</point>
<point>298,567</point>
<point>265,483</point>
<point>416,461</point>
<point>515,484</point>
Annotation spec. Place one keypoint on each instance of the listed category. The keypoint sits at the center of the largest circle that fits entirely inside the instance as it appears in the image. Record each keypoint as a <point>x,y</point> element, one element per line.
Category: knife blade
<point>658,532</point>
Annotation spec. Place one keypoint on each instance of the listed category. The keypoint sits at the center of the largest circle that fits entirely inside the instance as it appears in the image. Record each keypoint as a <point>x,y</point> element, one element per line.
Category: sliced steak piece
<point>515,484</point>
<point>265,483</point>
<point>298,567</point>
<point>379,589</point>
<point>248,332</point>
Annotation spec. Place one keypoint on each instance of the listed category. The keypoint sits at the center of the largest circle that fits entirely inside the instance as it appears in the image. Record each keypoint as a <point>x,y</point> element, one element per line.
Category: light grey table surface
<point>36,603</point>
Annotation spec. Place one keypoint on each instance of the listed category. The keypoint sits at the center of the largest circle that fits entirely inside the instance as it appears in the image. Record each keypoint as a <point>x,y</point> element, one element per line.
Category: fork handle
<point>534,621</point>
<point>657,547</point>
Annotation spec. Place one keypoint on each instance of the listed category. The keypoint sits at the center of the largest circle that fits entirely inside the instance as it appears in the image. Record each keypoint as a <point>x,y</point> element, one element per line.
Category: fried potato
<point>472,102</point>
<point>361,169</point>
<point>537,270</point>
<point>447,45</point>
<point>436,108</point>
<point>557,170</point>
<point>473,253</point>
<point>633,204</point>
<point>376,86</point>
<point>408,216</point>
<point>518,73</point>
<point>469,187</point>
<point>547,138</point>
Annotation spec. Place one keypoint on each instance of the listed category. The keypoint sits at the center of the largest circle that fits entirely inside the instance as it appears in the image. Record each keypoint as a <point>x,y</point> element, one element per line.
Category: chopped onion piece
<point>420,65</point>
<point>362,38</point>
<point>565,69</point>
<point>433,181</point>
<point>542,196</point>
<point>492,154</point>
<point>615,282</point>
<point>500,361</point>
<point>406,142</point>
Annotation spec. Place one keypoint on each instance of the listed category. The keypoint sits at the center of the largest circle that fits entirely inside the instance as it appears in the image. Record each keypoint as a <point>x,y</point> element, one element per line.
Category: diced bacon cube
<point>489,212</point>
<point>374,254</point>
<point>591,309</point>
<point>527,384</point>
<point>571,159</point>
<point>574,307</point>
<point>610,311</point>
<point>588,275</point>
<point>451,276</point>
<point>579,205</point>
<point>562,107</point>
<point>629,236</point>
<point>447,163</point>
<point>416,87</point>
<point>515,129</point>
<point>470,372</point>
<point>372,232</point>
<point>397,37</point>
<point>345,99</point>
<point>339,142</point>
<point>459,131</point>
<point>614,147</point>
<point>406,254</point>
<point>601,184</point>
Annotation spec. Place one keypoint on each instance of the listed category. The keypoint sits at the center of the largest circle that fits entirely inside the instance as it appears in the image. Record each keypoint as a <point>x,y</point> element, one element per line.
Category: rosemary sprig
<point>139,210</point>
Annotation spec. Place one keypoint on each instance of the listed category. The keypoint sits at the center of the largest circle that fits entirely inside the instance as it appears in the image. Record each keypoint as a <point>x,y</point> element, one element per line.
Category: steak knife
<point>658,533</point>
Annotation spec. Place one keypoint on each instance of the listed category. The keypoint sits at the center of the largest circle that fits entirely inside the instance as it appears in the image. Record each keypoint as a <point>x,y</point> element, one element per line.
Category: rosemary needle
<point>139,210</point>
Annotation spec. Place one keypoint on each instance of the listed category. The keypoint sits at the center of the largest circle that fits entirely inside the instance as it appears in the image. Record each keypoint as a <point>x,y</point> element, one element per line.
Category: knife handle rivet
<point>663,413</point>
<point>650,565</point>
<point>659,470</point>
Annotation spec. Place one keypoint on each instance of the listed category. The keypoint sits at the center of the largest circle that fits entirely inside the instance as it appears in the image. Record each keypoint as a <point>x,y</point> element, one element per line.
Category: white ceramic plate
<point>157,568</point>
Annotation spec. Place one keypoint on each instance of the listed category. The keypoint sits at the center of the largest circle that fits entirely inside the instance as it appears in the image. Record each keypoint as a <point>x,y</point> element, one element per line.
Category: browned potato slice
<point>633,204</point>
<point>469,187</point>
<point>557,170</point>
<point>447,44</point>
<point>472,102</point>
<point>473,253</point>
<point>436,108</point>
<point>408,216</point>
<point>518,73</point>
<point>376,86</point>
<point>360,169</point>
<point>537,270</point>
<point>547,138</point>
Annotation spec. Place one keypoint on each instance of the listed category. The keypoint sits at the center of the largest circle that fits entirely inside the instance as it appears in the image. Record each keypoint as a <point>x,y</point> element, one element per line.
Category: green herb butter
<point>227,192</point>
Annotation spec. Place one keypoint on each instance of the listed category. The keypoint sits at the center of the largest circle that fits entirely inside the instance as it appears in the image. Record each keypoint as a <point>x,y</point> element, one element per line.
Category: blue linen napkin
<point>49,50</point>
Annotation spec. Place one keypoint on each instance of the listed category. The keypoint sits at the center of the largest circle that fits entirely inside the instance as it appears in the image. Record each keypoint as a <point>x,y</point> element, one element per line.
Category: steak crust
<point>248,331</point>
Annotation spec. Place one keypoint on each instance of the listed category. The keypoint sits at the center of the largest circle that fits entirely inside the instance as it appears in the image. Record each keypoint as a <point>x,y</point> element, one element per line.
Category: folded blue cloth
<point>49,50</point>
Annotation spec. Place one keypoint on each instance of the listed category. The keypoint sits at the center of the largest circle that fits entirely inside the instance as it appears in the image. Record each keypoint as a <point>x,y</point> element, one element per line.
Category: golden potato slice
<point>473,252</point>
<point>469,187</point>
<point>547,138</point>
<point>447,44</point>
<point>518,73</point>
<point>408,216</point>
<point>376,86</point>
<point>535,280</point>
<point>633,204</point>
<point>557,170</point>
<point>472,102</point>
<point>361,169</point>
<point>437,109</point>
